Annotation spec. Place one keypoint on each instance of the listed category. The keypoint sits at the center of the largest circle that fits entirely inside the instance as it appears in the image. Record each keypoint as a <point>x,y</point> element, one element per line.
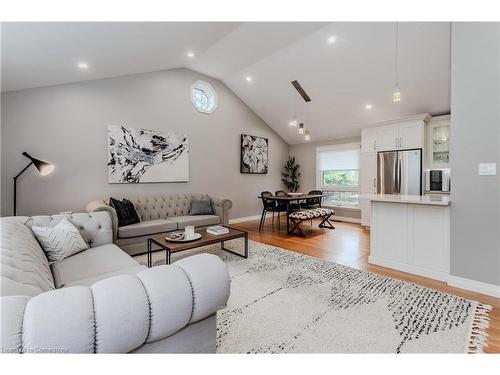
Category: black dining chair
<point>268,206</point>
<point>312,202</point>
<point>281,205</point>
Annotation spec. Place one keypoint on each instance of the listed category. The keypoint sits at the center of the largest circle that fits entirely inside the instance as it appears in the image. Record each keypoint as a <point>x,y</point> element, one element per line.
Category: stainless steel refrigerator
<point>399,172</point>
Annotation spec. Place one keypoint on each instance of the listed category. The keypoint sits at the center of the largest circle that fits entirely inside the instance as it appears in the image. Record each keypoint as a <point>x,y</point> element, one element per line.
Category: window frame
<point>338,188</point>
<point>209,92</point>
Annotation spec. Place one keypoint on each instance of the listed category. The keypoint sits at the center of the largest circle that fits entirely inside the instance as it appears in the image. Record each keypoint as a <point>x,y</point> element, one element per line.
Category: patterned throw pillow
<point>125,210</point>
<point>60,241</point>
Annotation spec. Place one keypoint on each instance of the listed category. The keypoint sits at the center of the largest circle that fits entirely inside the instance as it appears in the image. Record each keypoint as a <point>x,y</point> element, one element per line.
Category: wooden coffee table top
<point>206,239</point>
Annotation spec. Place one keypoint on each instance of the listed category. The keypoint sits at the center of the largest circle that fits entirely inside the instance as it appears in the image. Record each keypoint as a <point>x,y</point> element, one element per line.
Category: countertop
<point>430,200</point>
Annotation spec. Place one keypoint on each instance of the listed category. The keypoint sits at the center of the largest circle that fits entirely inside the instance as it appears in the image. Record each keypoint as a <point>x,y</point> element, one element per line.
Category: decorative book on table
<point>217,229</point>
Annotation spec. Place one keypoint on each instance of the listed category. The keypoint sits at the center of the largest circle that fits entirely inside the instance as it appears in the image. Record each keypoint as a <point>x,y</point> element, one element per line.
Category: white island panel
<point>411,237</point>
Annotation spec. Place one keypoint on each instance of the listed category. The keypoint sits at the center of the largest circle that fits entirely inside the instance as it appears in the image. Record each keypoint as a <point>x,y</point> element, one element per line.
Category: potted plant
<point>290,174</point>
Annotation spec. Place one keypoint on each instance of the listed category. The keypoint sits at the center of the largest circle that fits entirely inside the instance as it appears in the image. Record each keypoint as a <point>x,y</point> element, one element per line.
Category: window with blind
<point>337,174</point>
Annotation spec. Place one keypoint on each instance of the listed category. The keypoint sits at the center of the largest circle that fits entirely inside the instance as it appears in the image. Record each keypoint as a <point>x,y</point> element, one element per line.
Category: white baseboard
<point>474,286</point>
<point>346,219</point>
<point>247,218</point>
<point>408,268</point>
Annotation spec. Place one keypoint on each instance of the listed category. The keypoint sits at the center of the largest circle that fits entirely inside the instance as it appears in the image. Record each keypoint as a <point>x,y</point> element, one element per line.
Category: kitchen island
<point>410,233</point>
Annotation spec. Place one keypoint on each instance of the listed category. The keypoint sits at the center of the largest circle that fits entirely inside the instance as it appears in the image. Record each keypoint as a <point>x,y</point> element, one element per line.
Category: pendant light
<point>301,128</point>
<point>396,92</point>
<point>307,137</point>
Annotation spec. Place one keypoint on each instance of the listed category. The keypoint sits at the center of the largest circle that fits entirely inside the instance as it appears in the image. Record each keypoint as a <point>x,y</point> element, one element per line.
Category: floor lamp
<point>42,167</point>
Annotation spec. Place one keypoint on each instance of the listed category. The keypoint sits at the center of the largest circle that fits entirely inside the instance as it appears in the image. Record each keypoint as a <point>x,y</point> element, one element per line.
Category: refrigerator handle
<point>398,171</point>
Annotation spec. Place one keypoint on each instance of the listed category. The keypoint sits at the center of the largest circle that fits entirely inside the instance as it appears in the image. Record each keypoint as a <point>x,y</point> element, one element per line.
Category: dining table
<point>288,200</point>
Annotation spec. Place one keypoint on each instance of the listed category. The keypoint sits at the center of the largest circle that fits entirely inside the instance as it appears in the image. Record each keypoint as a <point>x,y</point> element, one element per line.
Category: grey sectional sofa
<point>161,213</point>
<point>101,300</point>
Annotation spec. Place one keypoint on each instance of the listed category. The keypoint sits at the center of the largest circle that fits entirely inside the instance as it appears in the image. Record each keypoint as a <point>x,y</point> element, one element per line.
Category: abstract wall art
<point>254,154</point>
<point>140,155</point>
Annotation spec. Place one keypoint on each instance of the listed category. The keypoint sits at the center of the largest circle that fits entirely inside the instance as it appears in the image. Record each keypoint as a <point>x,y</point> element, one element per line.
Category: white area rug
<point>285,302</point>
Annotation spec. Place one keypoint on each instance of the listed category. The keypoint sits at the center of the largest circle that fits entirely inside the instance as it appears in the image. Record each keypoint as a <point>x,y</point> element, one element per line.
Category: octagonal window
<point>203,97</point>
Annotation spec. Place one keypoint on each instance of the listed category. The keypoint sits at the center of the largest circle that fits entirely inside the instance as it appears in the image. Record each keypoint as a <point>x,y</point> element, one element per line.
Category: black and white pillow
<point>125,210</point>
<point>61,241</point>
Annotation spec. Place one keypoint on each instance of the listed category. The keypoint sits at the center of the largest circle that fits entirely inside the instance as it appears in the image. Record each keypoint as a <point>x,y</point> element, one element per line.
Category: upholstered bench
<point>298,217</point>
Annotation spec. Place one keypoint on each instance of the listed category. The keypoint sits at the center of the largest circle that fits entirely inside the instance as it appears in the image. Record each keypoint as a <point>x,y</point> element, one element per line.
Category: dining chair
<point>268,206</point>
<point>312,202</point>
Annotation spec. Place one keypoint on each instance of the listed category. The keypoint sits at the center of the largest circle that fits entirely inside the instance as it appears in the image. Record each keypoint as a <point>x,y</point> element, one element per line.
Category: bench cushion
<point>145,228</point>
<point>311,214</point>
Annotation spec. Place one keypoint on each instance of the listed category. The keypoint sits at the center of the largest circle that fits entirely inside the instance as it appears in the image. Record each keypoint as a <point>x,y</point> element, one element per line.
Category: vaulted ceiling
<point>359,68</point>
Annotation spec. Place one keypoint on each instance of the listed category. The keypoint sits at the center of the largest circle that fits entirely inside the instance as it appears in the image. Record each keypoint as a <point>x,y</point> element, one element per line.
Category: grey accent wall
<point>67,125</point>
<point>475,138</point>
<point>305,155</point>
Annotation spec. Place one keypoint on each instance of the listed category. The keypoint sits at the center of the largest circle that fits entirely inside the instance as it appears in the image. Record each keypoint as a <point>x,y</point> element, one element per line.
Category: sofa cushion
<point>146,228</point>
<point>60,241</point>
<point>162,206</point>
<point>195,220</point>
<point>92,263</point>
<point>24,266</point>
<point>125,211</point>
<point>201,207</point>
<point>96,227</point>
<point>89,281</point>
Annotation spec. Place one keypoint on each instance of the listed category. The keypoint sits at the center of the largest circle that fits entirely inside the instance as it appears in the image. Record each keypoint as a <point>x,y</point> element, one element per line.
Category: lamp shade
<point>43,167</point>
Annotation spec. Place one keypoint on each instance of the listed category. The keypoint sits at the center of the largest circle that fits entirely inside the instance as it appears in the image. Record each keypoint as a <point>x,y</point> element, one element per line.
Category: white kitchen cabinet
<point>368,183</point>
<point>411,136</point>
<point>438,142</point>
<point>388,138</point>
<point>413,238</point>
<point>369,140</point>
<point>395,136</point>
<point>364,205</point>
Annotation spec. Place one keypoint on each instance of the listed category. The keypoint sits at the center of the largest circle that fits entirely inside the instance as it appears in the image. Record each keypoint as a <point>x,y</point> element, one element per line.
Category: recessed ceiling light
<point>368,106</point>
<point>190,54</point>
<point>248,79</point>
<point>82,65</point>
<point>332,39</point>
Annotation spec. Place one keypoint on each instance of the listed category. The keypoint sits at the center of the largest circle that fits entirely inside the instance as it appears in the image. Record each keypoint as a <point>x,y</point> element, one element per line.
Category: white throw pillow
<point>60,241</point>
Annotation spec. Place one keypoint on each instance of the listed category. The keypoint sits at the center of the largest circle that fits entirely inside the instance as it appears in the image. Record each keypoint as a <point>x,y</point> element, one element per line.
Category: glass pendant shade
<point>301,128</point>
<point>396,94</point>
<point>307,136</point>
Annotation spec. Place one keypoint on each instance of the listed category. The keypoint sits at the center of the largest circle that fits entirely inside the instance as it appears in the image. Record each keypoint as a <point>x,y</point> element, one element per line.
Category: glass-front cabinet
<point>439,142</point>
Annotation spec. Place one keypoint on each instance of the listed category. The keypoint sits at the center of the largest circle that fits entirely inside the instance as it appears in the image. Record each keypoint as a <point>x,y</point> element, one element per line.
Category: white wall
<point>67,125</point>
<point>475,138</point>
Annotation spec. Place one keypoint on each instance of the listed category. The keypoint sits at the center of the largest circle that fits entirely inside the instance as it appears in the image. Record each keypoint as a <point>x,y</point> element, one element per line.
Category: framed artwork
<point>140,155</point>
<point>254,154</point>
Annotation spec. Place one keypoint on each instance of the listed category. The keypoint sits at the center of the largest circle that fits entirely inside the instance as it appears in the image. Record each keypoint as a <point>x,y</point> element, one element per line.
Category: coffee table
<point>206,239</point>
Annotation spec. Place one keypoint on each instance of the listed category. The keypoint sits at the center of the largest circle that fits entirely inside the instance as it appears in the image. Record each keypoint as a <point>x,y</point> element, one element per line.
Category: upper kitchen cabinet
<point>399,134</point>
<point>438,138</point>
<point>369,140</point>
<point>388,137</point>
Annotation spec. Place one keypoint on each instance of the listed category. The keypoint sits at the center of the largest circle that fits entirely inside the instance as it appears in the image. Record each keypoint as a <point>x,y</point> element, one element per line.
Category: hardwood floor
<point>349,244</point>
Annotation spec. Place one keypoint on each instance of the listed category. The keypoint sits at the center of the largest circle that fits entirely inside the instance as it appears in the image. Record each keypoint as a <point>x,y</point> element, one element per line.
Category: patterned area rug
<point>285,302</point>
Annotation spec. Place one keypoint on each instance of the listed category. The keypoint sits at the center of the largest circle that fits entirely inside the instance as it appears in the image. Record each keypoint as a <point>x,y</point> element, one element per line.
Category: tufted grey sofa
<point>161,213</point>
<point>101,300</point>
